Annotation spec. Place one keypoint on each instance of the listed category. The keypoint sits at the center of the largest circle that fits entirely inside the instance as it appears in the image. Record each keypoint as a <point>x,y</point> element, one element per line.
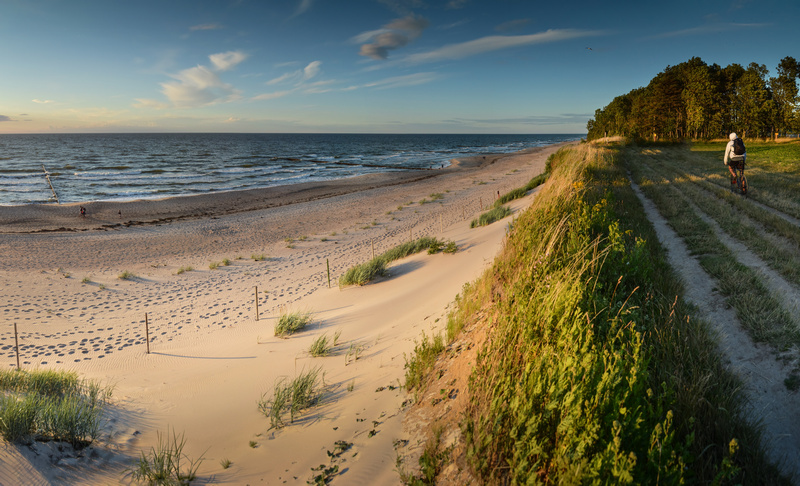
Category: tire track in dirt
<point>770,403</point>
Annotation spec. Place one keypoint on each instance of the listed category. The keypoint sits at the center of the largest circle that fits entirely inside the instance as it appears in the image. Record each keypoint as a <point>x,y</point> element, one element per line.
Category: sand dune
<point>211,360</point>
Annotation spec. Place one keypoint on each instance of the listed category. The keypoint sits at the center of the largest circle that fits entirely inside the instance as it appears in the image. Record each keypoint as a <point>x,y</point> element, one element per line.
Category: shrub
<point>320,347</point>
<point>126,275</point>
<point>422,360</point>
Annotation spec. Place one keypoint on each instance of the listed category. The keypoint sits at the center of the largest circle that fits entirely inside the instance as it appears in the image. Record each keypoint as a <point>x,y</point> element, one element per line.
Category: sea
<point>119,167</point>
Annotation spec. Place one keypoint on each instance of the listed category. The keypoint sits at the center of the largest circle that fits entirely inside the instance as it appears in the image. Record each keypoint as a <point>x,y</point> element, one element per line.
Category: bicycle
<point>739,183</point>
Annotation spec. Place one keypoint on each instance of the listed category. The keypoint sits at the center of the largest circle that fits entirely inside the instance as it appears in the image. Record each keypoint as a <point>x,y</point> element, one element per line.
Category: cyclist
<point>731,159</point>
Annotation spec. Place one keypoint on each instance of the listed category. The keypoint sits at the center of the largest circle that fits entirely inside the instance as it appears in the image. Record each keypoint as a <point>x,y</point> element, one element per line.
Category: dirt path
<point>763,376</point>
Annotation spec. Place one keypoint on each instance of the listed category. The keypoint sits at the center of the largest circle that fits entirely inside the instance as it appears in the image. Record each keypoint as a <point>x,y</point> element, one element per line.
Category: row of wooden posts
<point>327,264</point>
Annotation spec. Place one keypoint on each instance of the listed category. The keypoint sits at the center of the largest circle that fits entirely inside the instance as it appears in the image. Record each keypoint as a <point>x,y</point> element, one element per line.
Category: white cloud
<point>393,35</point>
<point>312,69</point>
<point>283,77</point>
<point>43,102</point>
<point>148,103</point>
<point>225,61</point>
<point>495,43</point>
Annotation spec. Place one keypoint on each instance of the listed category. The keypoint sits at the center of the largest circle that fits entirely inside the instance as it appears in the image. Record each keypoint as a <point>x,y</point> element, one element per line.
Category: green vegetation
<point>422,360</point>
<point>292,396</point>
<point>594,370</point>
<point>695,100</point>
<point>258,257</point>
<point>292,322</point>
<point>213,265</point>
<point>126,275</point>
<point>50,405</point>
<point>321,346</point>
<point>166,463</point>
<point>495,214</point>
<point>364,273</point>
<point>184,269</point>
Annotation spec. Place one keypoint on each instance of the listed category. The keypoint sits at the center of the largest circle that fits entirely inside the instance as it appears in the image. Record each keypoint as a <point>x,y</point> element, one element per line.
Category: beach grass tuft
<point>292,397</point>
<point>126,275</point>
<point>167,463</point>
<point>258,257</point>
<point>213,265</point>
<point>184,269</point>
<point>292,322</point>
<point>490,216</point>
<point>364,273</point>
<point>422,359</point>
<point>321,346</point>
<point>50,405</point>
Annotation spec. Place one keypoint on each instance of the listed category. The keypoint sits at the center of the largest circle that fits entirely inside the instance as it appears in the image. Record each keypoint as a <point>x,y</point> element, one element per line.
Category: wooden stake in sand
<point>47,176</point>
<point>328,263</point>
<point>147,332</point>
<point>16,345</point>
<point>256,302</point>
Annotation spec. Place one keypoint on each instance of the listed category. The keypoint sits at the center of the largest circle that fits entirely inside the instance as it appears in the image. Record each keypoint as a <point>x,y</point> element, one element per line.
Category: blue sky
<point>390,66</point>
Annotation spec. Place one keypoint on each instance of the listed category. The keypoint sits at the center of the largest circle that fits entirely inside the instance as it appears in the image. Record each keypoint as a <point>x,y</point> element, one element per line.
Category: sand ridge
<point>211,361</point>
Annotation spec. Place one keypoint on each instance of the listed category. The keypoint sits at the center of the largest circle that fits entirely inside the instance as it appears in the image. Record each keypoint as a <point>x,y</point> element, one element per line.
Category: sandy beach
<point>212,358</point>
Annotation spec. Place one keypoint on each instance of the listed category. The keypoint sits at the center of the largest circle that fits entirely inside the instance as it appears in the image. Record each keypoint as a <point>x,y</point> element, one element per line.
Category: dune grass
<point>126,275</point>
<point>364,273</point>
<point>495,214</point>
<point>50,405</point>
<point>292,397</point>
<point>166,463</point>
<point>321,346</point>
<point>292,322</point>
<point>421,361</point>
<point>594,369</point>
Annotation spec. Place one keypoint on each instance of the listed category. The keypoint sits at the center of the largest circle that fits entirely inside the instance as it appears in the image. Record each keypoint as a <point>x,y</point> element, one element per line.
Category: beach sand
<point>211,359</point>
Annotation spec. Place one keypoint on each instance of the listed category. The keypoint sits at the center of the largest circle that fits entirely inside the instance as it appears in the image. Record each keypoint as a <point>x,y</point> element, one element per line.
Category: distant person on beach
<point>83,211</point>
<point>735,154</point>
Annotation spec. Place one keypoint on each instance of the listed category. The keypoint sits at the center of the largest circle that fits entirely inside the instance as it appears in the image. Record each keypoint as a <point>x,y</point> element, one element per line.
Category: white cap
<point>733,136</point>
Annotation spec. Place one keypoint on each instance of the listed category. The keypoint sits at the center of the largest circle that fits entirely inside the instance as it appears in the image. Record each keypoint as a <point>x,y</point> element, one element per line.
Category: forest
<point>695,100</point>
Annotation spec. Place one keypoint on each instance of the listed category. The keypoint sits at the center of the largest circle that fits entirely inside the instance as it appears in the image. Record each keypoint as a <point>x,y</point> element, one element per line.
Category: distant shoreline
<point>104,215</point>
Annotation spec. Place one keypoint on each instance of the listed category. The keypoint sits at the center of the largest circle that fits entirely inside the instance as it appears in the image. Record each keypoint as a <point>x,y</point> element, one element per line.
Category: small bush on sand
<point>292,322</point>
<point>184,270</point>
<point>258,257</point>
<point>126,275</point>
<point>321,346</point>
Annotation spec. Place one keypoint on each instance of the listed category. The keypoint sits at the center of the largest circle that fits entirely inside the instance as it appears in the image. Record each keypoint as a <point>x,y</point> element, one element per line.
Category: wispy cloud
<point>563,119</point>
<point>200,85</point>
<point>402,81</point>
<point>708,29</point>
<point>393,35</point>
<point>311,70</point>
<point>272,96</point>
<point>495,43</point>
<point>205,27</point>
<point>512,25</point>
<point>43,102</point>
<point>302,7</point>
<point>5,118</point>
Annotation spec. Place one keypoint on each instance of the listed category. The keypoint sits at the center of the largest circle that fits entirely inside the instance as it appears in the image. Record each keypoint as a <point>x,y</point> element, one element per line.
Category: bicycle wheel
<point>743,186</point>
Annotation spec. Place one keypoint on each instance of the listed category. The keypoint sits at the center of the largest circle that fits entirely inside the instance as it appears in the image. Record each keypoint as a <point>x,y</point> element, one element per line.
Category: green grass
<point>166,463</point>
<point>594,371</point>
<point>184,269</point>
<point>292,397</point>
<point>495,214</point>
<point>422,360</point>
<point>126,275</point>
<point>321,346</point>
<point>292,322</point>
<point>50,405</point>
<point>258,257</point>
<point>213,265</point>
<point>364,273</point>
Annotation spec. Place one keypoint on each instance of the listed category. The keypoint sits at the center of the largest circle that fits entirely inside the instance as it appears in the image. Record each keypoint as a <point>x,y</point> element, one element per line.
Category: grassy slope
<point>594,370</point>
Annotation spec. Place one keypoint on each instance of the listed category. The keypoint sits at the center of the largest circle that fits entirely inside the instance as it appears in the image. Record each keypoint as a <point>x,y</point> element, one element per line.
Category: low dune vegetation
<point>49,405</point>
<point>364,273</point>
<point>594,369</point>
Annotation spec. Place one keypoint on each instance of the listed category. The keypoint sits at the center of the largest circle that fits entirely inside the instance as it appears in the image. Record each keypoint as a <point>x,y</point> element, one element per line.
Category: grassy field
<point>595,369</point>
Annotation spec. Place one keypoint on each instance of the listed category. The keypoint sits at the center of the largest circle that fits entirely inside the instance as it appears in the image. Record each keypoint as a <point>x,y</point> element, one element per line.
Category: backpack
<point>738,147</point>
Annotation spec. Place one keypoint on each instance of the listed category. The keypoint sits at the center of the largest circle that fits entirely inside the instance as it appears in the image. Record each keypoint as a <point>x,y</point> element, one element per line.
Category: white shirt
<point>729,155</point>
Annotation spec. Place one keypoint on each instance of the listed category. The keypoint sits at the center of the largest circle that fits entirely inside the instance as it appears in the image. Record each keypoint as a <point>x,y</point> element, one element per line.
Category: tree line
<point>700,101</point>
